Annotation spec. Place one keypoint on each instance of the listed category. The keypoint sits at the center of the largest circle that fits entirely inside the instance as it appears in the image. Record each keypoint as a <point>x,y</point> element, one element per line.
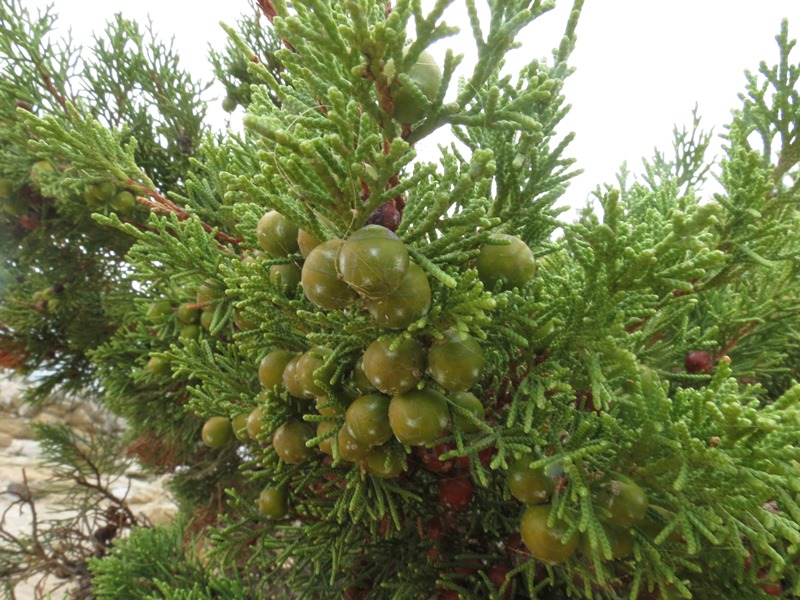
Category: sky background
<point>641,65</point>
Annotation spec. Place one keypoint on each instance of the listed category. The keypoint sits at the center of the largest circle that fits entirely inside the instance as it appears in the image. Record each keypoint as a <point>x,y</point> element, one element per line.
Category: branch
<point>163,205</point>
<point>50,87</point>
<point>269,11</point>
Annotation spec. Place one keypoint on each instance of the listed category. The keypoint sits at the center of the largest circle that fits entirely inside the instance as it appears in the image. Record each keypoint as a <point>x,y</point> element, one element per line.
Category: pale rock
<point>28,448</point>
<point>8,403</point>
<point>16,428</point>
<point>53,588</point>
<point>10,395</point>
<point>5,440</point>
<point>32,475</point>
<point>79,419</point>
<point>142,495</point>
<point>136,471</point>
<point>42,491</point>
<point>159,513</point>
<point>59,410</point>
<point>13,464</point>
<point>39,482</point>
<point>45,418</point>
<point>28,410</point>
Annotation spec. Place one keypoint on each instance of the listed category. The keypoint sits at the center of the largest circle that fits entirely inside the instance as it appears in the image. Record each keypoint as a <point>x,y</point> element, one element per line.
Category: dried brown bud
<point>387,216</point>
<point>29,222</point>
<point>106,533</point>
<point>698,361</point>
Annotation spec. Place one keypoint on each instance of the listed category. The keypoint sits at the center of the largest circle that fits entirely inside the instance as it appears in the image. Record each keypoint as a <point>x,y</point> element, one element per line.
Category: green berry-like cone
<point>321,283</point>
<point>427,75</point>
<point>547,542</point>
<point>367,419</point>
<point>273,503</point>
<point>290,440</point>
<point>277,235</point>
<point>217,432</point>
<point>409,302</point>
<point>394,371</point>
<point>456,363</point>
<point>418,417</point>
<point>373,261</point>
<point>511,265</point>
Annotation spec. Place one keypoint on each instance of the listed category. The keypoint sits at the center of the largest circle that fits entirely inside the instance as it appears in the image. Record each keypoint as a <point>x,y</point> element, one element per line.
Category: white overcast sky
<point>641,64</point>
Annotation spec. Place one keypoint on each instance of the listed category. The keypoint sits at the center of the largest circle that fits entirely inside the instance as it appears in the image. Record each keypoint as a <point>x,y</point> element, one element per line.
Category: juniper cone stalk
<point>372,376</point>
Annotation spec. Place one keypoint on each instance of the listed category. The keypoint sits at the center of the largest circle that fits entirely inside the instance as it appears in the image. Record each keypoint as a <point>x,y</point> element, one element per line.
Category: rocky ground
<point>20,460</point>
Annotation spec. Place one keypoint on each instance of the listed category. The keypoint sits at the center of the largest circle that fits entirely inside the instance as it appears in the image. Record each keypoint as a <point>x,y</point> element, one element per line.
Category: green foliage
<point>254,43</point>
<point>158,563</point>
<point>76,133</point>
<point>136,85</point>
<point>585,366</point>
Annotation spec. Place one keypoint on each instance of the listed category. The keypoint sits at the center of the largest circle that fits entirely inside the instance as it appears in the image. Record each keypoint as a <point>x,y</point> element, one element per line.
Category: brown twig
<point>120,108</point>
<point>102,491</point>
<point>789,157</point>
<point>675,294</point>
<point>736,339</point>
<point>269,11</point>
<point>48,83</point>
<point>164,205</point>
<point>159,88</point>
<point>62,554</point>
